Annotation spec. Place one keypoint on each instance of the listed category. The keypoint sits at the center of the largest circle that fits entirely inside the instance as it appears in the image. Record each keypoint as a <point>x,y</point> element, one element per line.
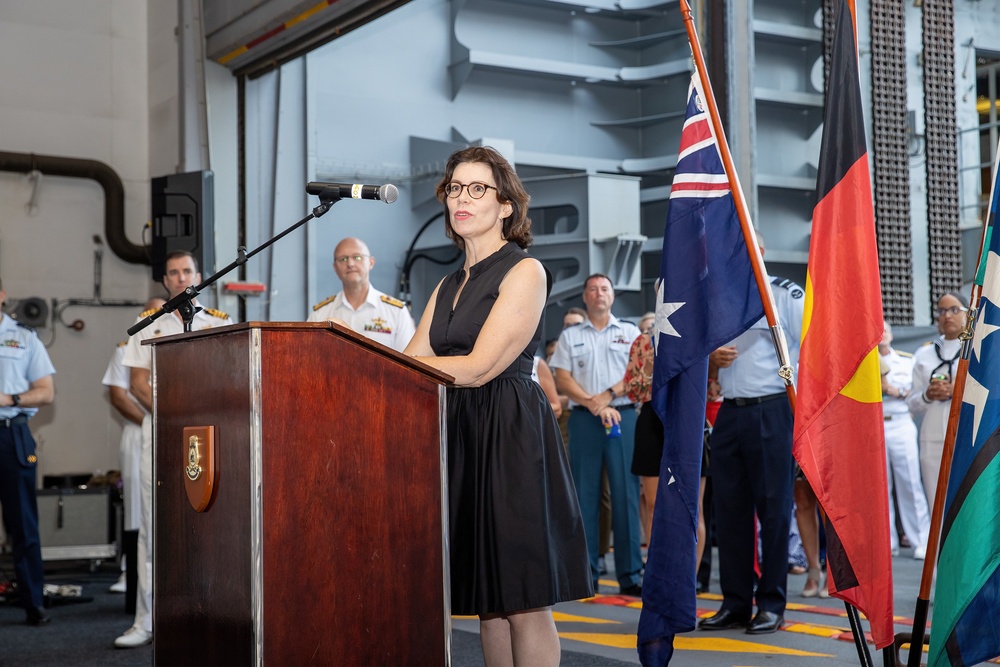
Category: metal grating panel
<point>944,244</point>
<point>889,160</point>
<point>829,23</point>
<point>890,163</point>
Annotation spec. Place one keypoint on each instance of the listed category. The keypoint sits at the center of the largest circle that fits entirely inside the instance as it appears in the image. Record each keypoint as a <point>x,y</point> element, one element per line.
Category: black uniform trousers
<point>18,468</point>
<point>752,472</point>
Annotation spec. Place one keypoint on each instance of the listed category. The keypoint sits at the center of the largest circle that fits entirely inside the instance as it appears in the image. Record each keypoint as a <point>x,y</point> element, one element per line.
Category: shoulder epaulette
<point>24,326</point>
<point>789,285</point>
<point>122,344</point>
<point>930,342</point>
<point>147,313</point>
<point>904,354</point>
<point>784,282</point>
<point>392,302</point>
<point>217,313</point>
<point>324,302</point>
<point>624,321</point>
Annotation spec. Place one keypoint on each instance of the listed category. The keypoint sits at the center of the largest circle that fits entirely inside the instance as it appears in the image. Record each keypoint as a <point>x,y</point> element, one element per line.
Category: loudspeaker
<point>32,312</point>
<point>183,219</point>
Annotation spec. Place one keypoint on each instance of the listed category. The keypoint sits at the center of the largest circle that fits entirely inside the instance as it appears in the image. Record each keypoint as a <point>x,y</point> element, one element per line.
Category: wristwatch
<point>16,398</point>
<point>613,394</point>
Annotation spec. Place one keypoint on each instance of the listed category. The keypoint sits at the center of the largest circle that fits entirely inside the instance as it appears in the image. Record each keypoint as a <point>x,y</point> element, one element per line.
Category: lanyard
<point>945,363</point>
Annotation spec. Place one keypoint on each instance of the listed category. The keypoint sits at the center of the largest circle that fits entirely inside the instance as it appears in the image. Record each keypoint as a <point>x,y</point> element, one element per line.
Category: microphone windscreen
<point>388,193</point>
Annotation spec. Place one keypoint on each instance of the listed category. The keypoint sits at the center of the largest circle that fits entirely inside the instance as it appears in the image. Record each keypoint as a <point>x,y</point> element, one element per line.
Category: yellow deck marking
<point>690,644</point>
<point>557,616</point>
<point>560,617</point>
<point>814,629</point>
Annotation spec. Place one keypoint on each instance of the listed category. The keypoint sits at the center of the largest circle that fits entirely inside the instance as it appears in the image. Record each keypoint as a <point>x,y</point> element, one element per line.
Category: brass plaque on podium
<point>199,465</point>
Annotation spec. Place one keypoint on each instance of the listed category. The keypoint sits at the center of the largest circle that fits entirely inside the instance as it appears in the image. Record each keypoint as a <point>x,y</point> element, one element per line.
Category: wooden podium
<point>323,540</point>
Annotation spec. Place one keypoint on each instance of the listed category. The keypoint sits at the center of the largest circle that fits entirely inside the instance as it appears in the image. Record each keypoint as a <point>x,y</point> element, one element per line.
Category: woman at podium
<point>517,538</point>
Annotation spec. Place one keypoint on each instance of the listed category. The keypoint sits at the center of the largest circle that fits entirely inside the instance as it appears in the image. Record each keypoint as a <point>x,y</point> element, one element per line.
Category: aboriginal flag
<point>839,438</point>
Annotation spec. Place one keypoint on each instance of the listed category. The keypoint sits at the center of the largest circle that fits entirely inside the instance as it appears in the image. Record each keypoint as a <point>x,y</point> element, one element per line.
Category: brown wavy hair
<point>510,190</point>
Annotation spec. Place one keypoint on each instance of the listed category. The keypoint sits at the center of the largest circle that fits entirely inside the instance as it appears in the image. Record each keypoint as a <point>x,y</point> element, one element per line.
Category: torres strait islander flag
<point>967,599</point>
<point>839,440</point>
<point>707,296</point>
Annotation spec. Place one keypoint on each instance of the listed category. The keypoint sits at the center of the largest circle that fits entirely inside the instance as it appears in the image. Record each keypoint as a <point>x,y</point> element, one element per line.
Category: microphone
<point>387,193</point>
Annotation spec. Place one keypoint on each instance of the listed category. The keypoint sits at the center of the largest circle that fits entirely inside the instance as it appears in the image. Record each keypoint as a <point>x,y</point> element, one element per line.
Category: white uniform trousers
<point>903,468</point>
<point>129,460</point>
<point>144,553</point>
<point>129,455</point>
<point>931,451</point>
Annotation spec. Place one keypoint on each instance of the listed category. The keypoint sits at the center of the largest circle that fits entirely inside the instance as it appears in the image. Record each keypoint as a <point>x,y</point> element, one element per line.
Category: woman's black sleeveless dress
<point>517,539</point>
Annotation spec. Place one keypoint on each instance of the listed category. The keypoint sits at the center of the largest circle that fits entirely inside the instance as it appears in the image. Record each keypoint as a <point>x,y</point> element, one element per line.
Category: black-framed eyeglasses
<point>954,310</point>
<point>476,189</point>
<point>344,259</point>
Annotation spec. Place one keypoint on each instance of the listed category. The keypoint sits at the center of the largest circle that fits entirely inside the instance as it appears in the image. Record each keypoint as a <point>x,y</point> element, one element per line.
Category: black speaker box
<point>183,219</point>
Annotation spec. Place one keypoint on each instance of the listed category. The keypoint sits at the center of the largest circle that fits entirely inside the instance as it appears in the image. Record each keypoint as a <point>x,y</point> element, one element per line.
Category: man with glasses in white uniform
<point>360,306</point>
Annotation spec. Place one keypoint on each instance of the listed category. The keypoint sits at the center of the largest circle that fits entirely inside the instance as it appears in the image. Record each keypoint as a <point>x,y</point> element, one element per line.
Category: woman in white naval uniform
<point>934,368</point>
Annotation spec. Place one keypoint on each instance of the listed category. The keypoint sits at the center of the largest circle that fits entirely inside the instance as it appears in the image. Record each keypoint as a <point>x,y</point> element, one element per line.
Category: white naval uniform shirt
<point>117,375</point>
<point>900,375</point>
<point>138,355</point>
<point>925,360</point>
<point>381,317</point>
<point>755,371</point>
<point>928,360</point>
<point>596,359</point>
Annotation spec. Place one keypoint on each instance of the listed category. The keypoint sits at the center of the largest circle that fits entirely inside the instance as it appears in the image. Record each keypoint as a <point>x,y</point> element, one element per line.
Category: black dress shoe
<point>37,616</point>
<point>724,620</point>
<point>764,623</point>
<point>634,589</point>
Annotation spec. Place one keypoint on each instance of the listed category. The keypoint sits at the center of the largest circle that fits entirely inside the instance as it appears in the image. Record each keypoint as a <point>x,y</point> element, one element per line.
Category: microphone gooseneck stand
<point>184,302</point>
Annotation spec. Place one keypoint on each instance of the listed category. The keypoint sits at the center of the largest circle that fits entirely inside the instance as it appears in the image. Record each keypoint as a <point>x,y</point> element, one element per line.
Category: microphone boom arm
<point>185,300</point>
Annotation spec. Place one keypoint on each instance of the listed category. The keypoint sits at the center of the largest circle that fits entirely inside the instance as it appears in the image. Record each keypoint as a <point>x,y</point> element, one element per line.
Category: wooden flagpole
<point>944,472</point>
<point>930,557</point>
<point>742,211</point>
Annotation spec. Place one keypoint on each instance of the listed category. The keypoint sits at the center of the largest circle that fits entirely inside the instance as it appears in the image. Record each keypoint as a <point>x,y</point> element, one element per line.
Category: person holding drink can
<point>612,424</point>
<point>590,362</point>
<point>934,368</point>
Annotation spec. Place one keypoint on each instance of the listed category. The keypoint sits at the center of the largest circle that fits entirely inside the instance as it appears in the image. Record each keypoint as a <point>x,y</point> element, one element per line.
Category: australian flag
<point>707,297</point>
